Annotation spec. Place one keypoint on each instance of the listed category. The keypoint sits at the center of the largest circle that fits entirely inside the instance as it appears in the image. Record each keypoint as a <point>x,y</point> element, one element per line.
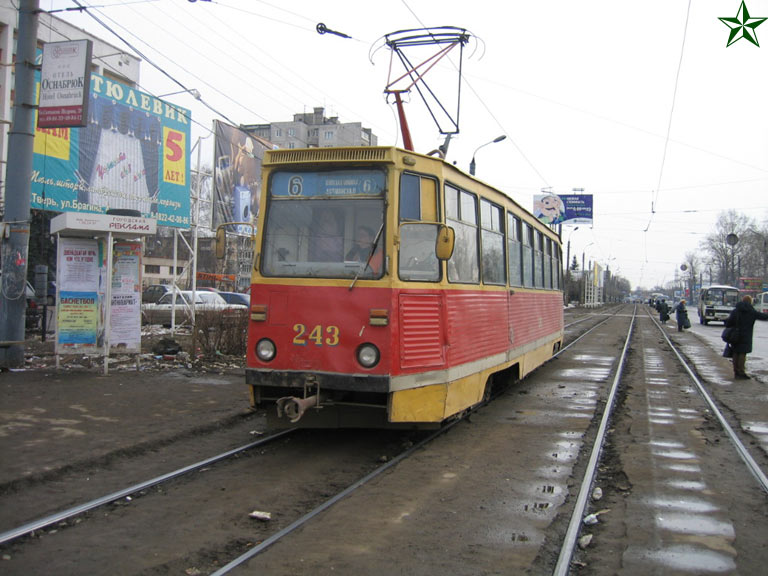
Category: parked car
<point>236,298</point>
<point>154,292</point>
<point>205,302</point>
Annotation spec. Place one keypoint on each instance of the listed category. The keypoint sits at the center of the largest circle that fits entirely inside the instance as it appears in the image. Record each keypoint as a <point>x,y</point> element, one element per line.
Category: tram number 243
<point>319,336</point>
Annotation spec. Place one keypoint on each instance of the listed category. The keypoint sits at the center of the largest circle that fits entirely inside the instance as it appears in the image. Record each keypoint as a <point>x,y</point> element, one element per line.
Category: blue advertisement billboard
<point>133,154</point>
<point>563,208</point>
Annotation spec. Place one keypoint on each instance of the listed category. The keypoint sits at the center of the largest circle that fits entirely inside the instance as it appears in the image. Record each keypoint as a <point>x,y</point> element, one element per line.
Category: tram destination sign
<point>334,183</point>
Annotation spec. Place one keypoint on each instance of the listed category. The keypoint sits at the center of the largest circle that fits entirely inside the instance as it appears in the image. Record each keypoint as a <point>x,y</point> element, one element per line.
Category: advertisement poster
<point>65,75</point>
<point>80,276</point>
<point>78,320</point>
<point>132,154</point>
<point>125,312</point>
<point>237,176</point>
<point>563,208</point>
<point>79,263</point>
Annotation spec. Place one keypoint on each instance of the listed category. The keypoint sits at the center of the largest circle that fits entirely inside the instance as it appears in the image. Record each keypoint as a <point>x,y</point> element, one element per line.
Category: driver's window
<point>418,261</point>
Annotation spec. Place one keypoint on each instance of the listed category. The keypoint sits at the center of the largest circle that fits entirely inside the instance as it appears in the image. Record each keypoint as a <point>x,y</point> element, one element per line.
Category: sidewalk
<point>50,418</point>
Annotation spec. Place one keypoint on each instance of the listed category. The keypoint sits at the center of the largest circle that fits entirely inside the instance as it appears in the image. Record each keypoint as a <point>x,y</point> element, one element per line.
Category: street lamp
<point>568,266</point>
<point>584,275</point>
<point>194,92</point>
<point>494,141</point>
<point>732,239</point>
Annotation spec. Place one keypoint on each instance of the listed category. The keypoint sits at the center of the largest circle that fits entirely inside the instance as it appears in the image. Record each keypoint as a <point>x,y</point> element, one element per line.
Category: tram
<point>389,289</point>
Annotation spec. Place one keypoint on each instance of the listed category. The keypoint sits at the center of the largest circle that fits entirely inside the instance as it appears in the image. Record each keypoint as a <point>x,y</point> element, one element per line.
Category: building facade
<point>314,130</point>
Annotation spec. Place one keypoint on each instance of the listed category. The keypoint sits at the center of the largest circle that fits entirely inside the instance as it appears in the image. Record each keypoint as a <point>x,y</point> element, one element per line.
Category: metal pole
<point>196,223</point>
<point>108,304</point>
<point>14,233</point>
<point>175,287</point>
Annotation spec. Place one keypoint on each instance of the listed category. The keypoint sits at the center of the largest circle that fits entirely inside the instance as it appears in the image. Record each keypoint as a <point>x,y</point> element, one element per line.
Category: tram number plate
<point>318,335</point>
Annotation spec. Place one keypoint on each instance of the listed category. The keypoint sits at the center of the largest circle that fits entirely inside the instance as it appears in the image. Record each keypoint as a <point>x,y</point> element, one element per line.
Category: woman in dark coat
<point>681,315</point>
<point>743,318</point>
<point>663,309</point>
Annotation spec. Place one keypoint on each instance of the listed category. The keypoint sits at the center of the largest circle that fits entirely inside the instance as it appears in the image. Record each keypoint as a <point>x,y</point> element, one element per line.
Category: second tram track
<point>530,410</point>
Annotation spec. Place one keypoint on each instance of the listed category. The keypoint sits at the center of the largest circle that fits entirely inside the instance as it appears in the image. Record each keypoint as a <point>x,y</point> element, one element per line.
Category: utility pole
<point>14,235</point>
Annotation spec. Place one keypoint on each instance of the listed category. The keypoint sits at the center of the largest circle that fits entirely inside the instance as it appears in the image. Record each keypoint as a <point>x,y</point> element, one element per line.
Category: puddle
<point>695,524</point>
<point>687,559</point>
<point>682,467</point>
<point>688,505</point>
<point>675,454</point>
<point>667,443</point>
<point>686,484</point>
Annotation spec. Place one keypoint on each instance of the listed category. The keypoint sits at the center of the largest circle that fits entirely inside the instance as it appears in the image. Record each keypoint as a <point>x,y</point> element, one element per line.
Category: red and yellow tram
<point>389,287</point>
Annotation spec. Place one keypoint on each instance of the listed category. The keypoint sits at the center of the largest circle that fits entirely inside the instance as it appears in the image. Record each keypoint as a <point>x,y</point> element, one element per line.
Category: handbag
<point>686,322</point>
<point>730,335</point>
<point>728,352</point>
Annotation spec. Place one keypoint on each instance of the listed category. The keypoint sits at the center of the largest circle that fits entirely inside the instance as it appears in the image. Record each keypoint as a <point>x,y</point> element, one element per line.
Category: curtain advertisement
<point>133,154</point>
<point>237,176</point>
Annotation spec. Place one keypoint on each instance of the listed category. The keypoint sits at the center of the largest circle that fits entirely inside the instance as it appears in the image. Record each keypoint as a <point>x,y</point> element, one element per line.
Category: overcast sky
<point>641,104</point>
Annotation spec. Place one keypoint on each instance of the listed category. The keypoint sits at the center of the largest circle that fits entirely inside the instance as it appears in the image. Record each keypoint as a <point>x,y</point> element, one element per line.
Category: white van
<point>760,302</point>
<point>716,303</point>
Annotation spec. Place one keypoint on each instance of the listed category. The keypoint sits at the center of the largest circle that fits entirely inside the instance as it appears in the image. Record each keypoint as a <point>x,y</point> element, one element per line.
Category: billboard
<point>133,154</point>
<point>65,77</point>
<point>237,176</point>
<point>563,208</point>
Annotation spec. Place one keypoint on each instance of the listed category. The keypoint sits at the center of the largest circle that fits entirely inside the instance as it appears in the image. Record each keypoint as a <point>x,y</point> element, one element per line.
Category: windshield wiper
<point>368,261</point>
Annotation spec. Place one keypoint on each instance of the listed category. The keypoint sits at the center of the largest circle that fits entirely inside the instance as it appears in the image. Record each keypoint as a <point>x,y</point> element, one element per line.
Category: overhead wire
<point>267,78</point>
<point>116,71</point>
<point>654,203</point>
<point>150,61</point>
<point>487,108</point>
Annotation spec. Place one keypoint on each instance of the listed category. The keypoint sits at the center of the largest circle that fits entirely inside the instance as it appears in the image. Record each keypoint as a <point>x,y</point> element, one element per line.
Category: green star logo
<point>743,26</point>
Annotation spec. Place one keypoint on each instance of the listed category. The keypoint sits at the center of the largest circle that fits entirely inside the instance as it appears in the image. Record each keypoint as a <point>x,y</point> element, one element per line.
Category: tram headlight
<point>265,349</point>
<point>368,355</point>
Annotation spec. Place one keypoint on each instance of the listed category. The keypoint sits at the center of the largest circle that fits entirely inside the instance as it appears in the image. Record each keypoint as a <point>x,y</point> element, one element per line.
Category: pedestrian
<point>663,309</point>
<point>681,315</point>
<point>743,318</point>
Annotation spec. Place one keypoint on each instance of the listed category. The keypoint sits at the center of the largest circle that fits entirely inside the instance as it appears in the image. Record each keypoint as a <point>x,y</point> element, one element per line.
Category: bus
<point>716,303</point>
<point>391,289</point>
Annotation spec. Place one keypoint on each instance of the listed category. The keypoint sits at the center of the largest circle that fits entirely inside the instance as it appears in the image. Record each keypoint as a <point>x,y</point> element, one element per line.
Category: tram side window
<point>557,269</point>
<point>461,214</point>
<point>527,255</point>
<point>410,197</point>
<point>417,260</point>
<point>547,263</point>
<point>538,259</point>
<point>514,248</point>
<point>492,238</point>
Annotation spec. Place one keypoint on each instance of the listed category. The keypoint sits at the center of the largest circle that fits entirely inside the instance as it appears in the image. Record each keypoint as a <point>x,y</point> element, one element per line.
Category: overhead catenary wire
<point>150,61</point>
<point>655,201</point>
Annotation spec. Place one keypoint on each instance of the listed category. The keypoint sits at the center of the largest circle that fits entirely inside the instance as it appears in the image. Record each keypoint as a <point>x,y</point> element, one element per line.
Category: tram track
<point>673,493</point>
<point>502,504</point>
<point>273,538</point>
<point>74,511</point>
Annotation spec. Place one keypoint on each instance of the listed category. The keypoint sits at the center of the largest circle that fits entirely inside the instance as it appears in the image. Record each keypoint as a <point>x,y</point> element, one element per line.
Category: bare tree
<point>692,272</point>
<point>722,256</point>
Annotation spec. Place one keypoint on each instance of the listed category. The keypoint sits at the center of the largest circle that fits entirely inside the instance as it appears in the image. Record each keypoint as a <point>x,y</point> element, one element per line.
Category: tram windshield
<point>325,224</point>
